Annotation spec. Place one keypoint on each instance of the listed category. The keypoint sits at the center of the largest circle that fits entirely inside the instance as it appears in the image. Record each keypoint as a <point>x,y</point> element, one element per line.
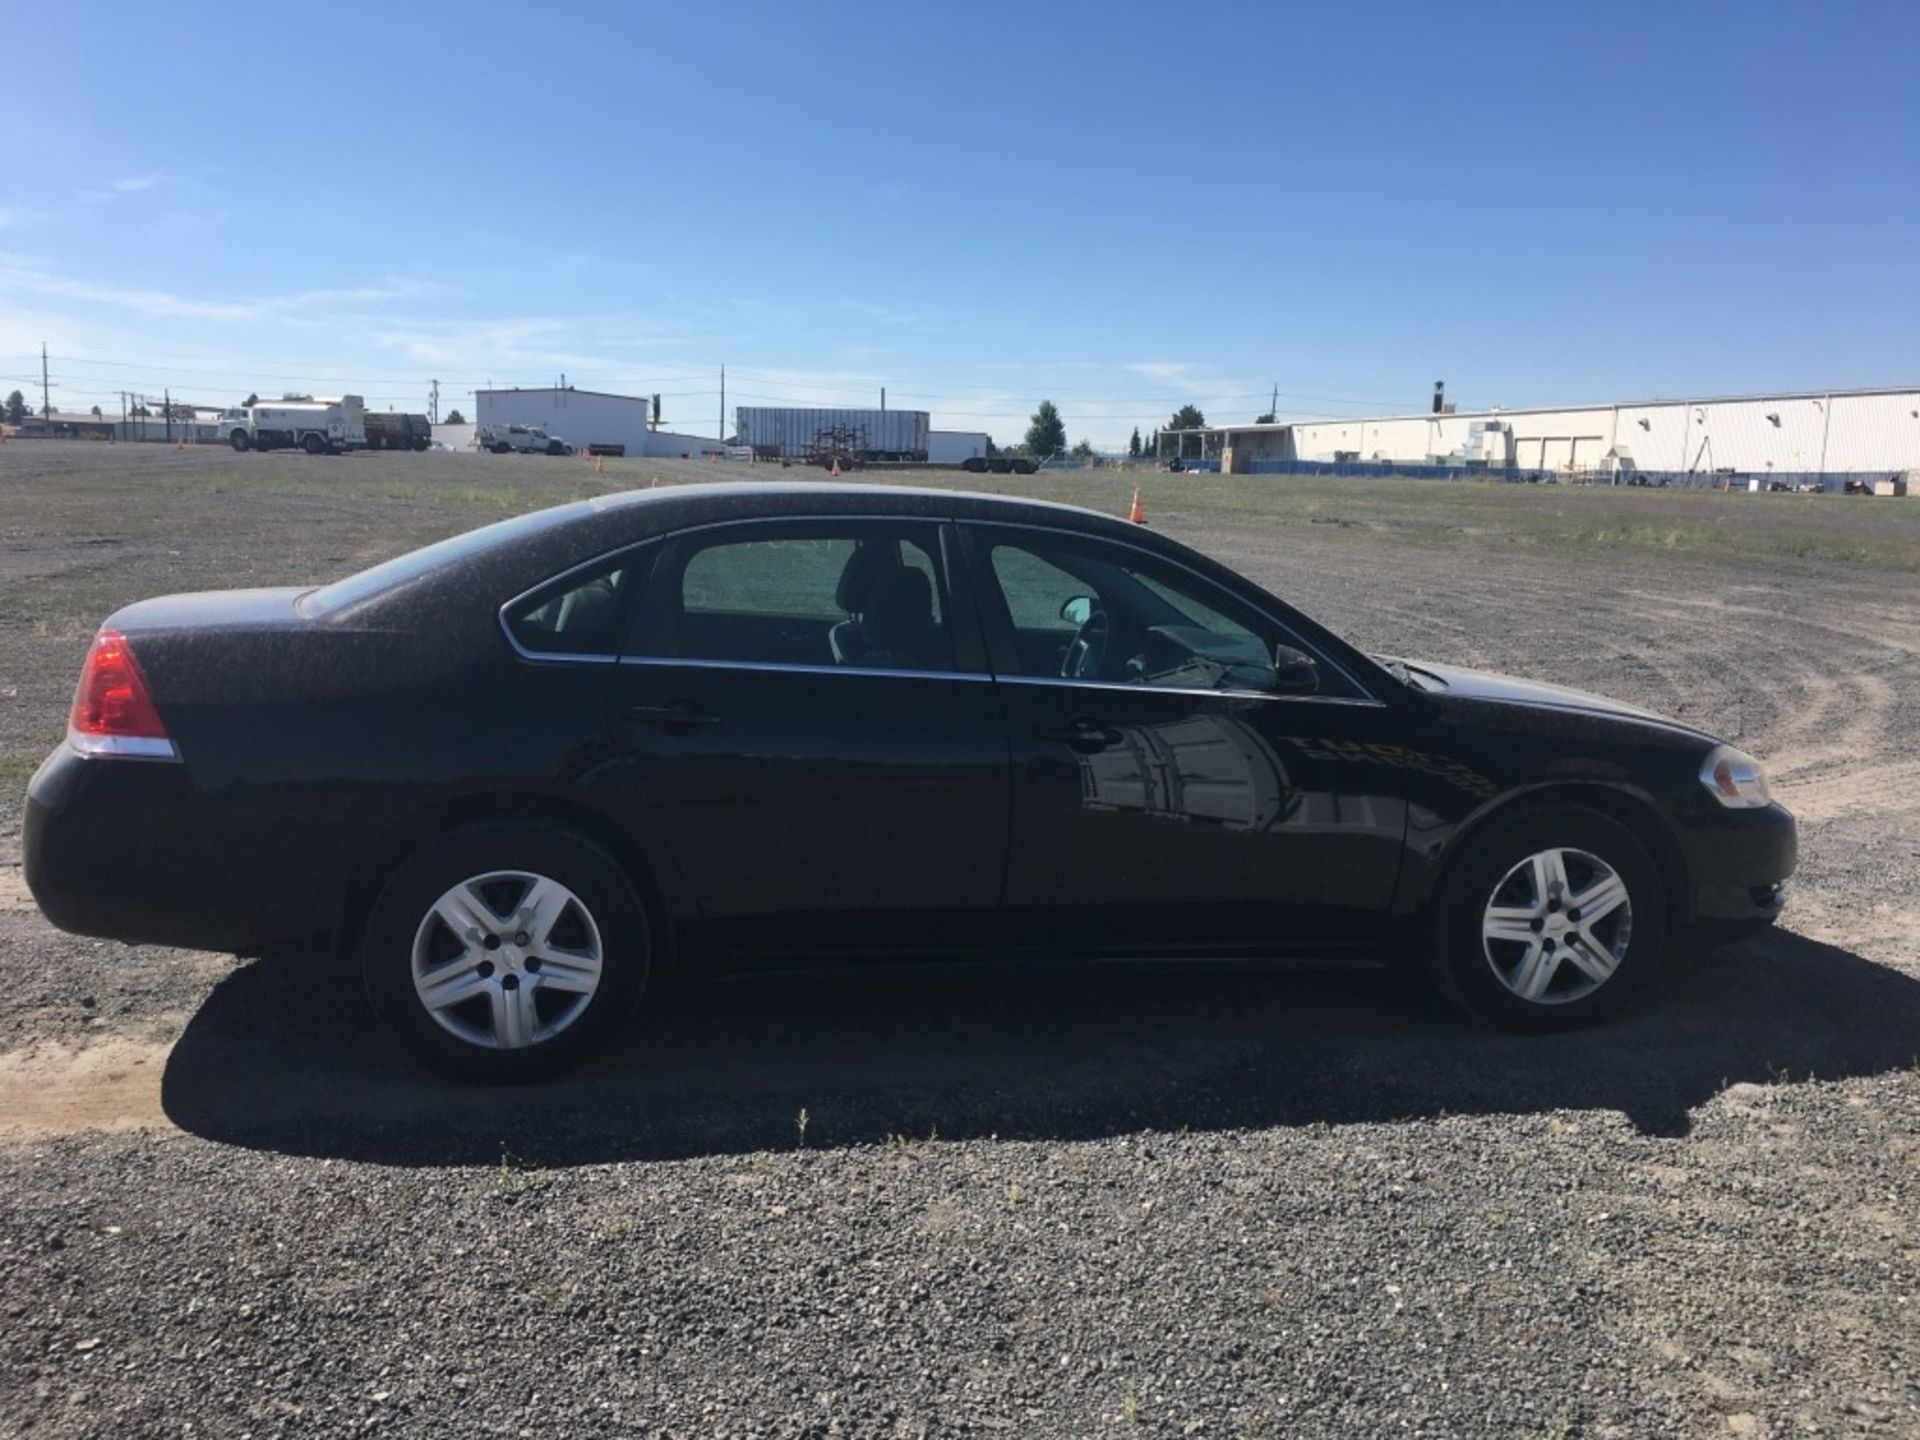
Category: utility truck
<point>319,427</point>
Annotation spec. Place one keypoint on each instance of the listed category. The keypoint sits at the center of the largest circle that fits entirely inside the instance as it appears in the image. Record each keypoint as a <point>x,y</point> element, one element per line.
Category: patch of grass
<point>15,771</point>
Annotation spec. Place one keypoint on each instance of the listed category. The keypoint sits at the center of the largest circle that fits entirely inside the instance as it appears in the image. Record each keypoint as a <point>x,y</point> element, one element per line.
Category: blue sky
<point>1118,206</point>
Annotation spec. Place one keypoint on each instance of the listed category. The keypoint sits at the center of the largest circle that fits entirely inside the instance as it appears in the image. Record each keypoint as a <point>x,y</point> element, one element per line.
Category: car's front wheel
<point>1550,920</point>
<point>505,951</point>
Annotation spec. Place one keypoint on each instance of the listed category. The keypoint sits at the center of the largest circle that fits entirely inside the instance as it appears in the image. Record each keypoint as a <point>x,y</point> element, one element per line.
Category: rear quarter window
<point>583,614</point>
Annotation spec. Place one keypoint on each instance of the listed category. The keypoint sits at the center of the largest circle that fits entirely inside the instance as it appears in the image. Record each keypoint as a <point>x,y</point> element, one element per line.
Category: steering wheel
<point>1087,652</point>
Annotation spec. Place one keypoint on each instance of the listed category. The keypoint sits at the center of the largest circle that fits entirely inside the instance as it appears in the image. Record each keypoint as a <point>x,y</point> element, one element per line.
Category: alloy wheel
<point>507,959</point>
<point>1557,926</point>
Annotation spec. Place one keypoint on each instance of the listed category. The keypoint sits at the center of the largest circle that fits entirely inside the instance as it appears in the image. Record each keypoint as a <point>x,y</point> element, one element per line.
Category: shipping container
<point>822,436</point>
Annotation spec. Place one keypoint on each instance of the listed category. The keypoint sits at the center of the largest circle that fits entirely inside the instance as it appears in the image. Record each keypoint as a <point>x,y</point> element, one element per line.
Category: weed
<point>1130,1404</point>
<point>1013,1192</point>
<point>800,1124</point>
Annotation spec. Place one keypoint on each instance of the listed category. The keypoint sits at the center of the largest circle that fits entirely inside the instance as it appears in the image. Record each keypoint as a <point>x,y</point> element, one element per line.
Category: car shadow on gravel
<point>274,1061</point>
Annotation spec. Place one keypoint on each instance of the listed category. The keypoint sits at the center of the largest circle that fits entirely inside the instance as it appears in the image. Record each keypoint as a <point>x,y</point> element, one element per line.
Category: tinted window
<point>1085,611</point>
<point>869,597</point>
<point>580,616</point>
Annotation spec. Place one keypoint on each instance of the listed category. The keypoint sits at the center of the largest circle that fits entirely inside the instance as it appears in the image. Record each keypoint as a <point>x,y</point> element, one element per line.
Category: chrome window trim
<point>1146,688</point>
<point>1366,695</point>
<point>550,656</point>
<point>787,668</point>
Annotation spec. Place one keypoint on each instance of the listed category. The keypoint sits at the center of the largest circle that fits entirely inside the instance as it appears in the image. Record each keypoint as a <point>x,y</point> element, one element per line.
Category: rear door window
<point>849,595</point>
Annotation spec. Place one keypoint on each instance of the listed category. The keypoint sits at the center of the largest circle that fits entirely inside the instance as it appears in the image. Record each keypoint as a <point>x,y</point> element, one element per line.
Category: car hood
<point>1465,684</point>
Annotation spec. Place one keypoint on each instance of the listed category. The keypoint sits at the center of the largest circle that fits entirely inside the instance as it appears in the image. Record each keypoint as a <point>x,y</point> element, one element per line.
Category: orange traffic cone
<point>654,483</point>
<point>1135,513</point>
<point>835,472</point>
<point>599,465</point>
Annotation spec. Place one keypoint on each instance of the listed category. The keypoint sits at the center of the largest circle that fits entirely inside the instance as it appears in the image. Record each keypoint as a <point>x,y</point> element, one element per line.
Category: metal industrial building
<point>589,417</point>
<point>1806,435</point>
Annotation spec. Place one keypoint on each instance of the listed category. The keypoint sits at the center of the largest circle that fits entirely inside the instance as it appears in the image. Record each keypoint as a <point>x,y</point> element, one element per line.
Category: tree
<point>1047,435</point>
<point>1153,445</point>
<point>1266,419</point>
<point>253,399</point>
<point>1133,444</point>
<point>1187,417</point>
<point>1082,451</point>
<point>17,408</point>
<point>454,417</point>
<point>96,412</point>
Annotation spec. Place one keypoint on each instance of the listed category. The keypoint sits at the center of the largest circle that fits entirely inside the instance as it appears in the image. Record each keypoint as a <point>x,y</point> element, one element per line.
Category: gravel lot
<point>1296,1205</point>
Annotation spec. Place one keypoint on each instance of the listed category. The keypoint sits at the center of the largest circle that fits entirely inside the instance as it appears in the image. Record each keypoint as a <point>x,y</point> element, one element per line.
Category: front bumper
<point>1738,862</point>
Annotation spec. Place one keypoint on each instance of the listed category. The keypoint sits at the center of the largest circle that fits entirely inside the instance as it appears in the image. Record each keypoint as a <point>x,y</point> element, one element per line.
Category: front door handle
<point>674,712</point>
<point>1082,733</point>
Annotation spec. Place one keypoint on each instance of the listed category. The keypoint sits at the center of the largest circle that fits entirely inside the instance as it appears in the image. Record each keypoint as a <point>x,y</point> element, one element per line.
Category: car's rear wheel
<point>1550,920</point>
<point>240,441</point>
<point>313,445</point>
<point>505,951</point>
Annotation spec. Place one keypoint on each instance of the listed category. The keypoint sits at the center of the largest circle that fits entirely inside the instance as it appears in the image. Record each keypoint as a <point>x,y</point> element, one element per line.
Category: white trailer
<point>319,427</point>
<point>954,447</point>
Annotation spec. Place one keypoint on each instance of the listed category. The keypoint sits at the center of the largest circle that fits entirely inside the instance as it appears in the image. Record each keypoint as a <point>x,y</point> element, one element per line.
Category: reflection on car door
<point>1153,815</point>
<point>812,733</point>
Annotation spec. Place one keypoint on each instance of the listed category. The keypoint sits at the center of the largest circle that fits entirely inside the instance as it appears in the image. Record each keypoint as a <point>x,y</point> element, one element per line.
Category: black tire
<point>313,444</point>
<point>603,892</point>
<point>1463,965</point>
<point>502,448</point>
<point>1023,467</point>
<point>240,441</point>
<point>554,447</point>
<point>422,444</point>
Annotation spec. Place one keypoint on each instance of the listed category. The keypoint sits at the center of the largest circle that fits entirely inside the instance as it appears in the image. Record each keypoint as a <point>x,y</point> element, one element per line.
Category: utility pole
<point>167,401</point>
<point>433,406</point>
<point>883,399</point>
<point>1273,405</point>
<point>722,436</point>
<point>46,405</point>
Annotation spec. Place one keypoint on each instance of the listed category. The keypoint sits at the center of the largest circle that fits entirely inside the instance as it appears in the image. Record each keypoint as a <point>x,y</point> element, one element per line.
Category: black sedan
<point>745,728</point>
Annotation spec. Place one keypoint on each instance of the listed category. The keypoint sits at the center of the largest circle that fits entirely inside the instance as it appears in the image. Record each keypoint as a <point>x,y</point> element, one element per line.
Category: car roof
<point>513,555</point>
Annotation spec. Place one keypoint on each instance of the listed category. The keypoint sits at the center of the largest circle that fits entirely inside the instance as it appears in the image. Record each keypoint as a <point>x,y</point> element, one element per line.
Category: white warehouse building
<point>588,417</point>
<point>1812,433</point>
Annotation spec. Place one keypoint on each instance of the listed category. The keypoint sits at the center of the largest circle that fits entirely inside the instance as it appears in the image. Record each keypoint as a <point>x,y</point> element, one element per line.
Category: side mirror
<point>1078,610</point>
<point>1294,672</point>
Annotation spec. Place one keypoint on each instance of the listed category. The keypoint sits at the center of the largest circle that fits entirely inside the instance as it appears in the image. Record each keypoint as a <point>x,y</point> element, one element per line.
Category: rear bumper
<point>1739,865</point>
<point>131,850</point>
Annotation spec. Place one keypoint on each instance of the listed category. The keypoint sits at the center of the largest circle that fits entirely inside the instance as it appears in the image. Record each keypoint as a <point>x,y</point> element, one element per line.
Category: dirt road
<point>1298,1205</point>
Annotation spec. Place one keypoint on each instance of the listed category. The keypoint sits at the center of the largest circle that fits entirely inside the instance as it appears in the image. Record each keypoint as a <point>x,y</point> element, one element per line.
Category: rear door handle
<point>674,712</point>
<point>1082,733</point>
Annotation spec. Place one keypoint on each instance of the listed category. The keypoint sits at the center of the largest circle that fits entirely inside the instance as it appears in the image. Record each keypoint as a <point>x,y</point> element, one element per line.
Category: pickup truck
<point>527,439</point>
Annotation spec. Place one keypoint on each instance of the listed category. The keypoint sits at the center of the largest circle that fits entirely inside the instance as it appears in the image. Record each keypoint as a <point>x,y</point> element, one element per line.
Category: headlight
<point>1735,779</point>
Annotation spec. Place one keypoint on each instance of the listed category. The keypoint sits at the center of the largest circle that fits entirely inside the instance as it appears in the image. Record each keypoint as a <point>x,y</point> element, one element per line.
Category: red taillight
<point>113,712</point>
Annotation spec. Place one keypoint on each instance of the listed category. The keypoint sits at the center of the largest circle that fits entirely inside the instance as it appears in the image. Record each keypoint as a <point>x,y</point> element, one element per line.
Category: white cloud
<point>119,189</point>
<point>13,215</point>
<point>21,274</point>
